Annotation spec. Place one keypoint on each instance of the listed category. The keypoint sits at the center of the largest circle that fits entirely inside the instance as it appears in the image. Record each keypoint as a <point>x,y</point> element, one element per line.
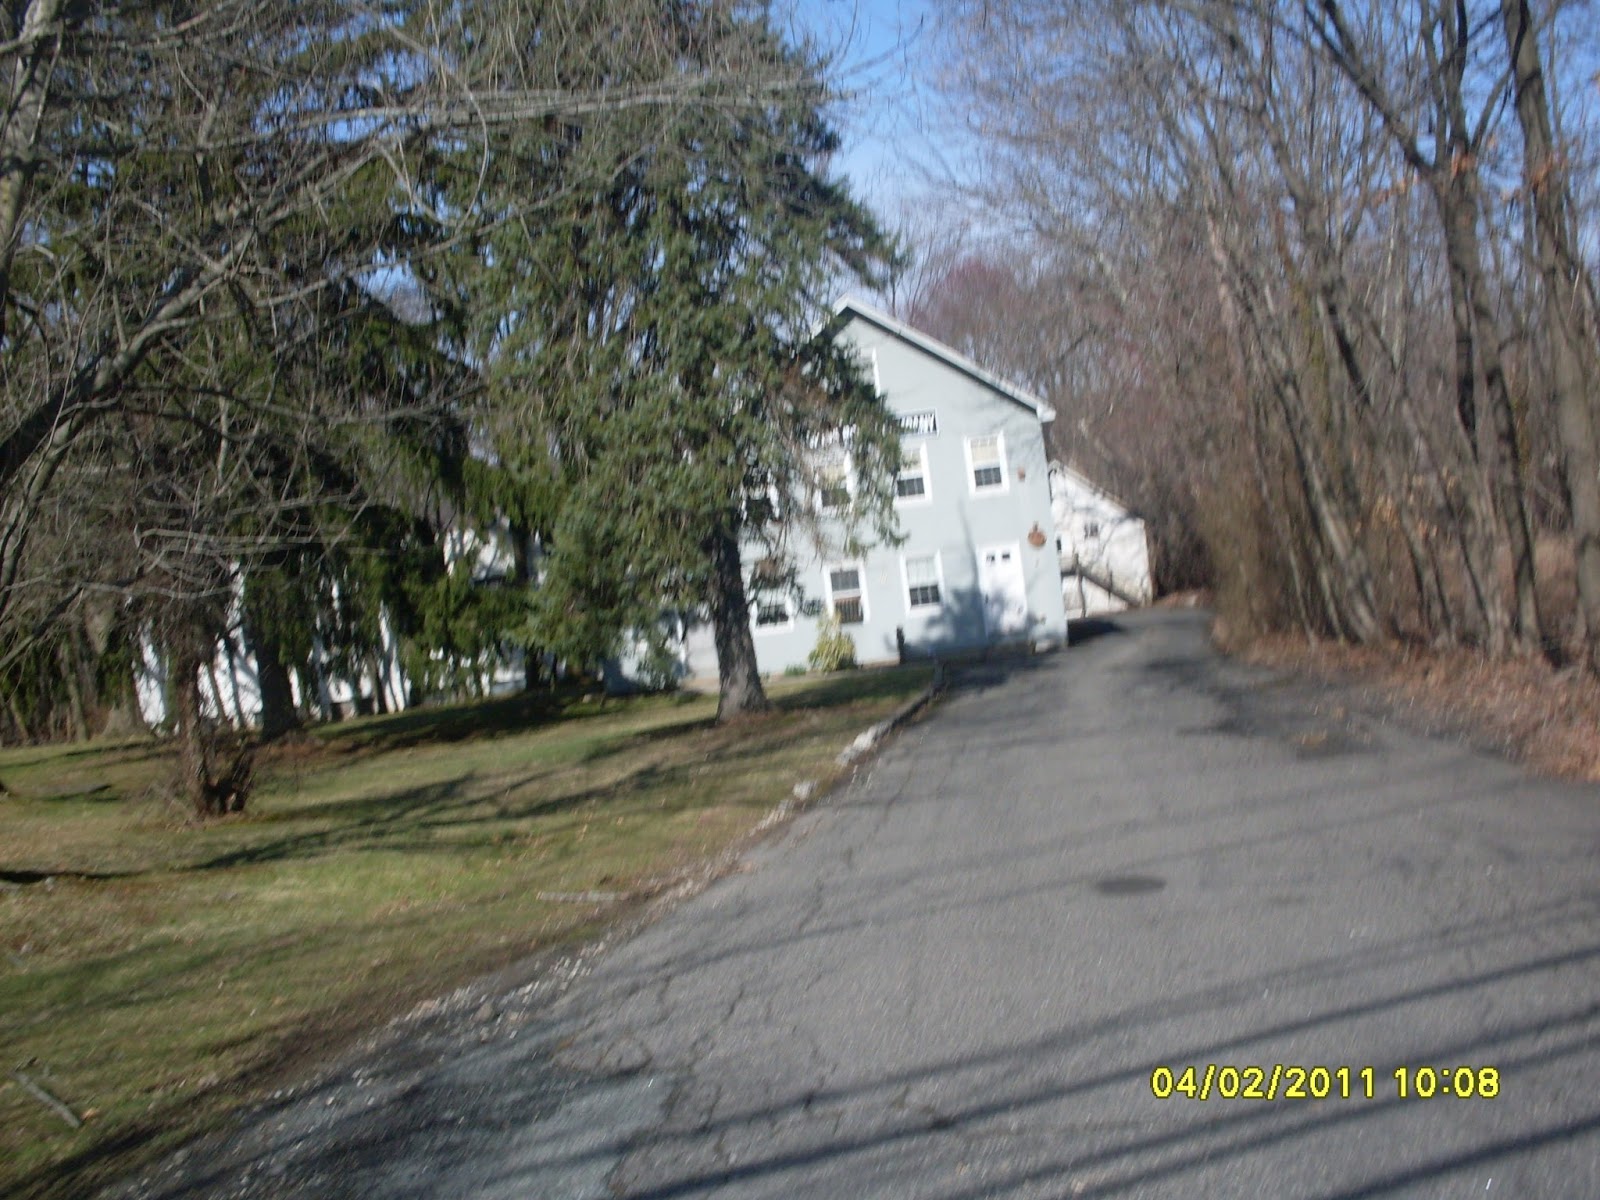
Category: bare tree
<point>1323,173</point>
<point>1570,321</point>
<point>1448,163</point>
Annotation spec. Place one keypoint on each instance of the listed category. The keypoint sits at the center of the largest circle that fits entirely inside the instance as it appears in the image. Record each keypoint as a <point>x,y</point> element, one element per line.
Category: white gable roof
<point>849,306</point>
<point>1057,468</point>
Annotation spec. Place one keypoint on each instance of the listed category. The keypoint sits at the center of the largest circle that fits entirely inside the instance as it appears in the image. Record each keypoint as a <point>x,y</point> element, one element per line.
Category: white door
<point>1004,591</point>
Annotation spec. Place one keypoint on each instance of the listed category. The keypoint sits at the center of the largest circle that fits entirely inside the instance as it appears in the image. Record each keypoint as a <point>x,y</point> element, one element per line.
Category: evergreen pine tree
<point>656,389</point>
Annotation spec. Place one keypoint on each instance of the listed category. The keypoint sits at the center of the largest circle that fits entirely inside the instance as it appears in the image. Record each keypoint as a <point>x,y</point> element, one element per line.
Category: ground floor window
<point>772,612</point>
<point>847,594</point>
<point>922,581</point>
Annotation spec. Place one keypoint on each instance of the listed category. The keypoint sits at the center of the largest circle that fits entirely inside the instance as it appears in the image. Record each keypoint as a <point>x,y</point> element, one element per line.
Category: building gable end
<point>849,309</point>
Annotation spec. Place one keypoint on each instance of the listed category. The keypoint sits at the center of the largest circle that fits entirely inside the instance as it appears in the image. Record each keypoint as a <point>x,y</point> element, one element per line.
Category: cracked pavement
<point>954,977</point>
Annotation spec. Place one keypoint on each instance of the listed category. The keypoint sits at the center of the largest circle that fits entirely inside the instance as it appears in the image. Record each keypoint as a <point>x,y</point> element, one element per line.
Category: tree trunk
<point>1569,320</point>
<point>19,722</point>
<point>194,758</point>
<point>1332,293</point>
<point>69,659</point>
<point>1276,514</point>
<point>278,715</point>
<point>1431,600</point>
<point>1450,169</point>
<point>207,792</point>
<point>1455,182</point>
<point>740,691</point>
<point>112,644</point>
<point>28,89</point>
<point>1348,578</point>
<point>522,564</point>
<point>1498,437</point>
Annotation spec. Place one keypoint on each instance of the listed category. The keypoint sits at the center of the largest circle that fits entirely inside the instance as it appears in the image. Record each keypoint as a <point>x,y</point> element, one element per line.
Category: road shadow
<point>434,1133</point>
<point>1087,629</point>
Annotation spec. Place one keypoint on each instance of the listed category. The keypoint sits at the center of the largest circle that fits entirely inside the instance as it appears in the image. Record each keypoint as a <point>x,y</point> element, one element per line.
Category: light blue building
<point>978,566</point>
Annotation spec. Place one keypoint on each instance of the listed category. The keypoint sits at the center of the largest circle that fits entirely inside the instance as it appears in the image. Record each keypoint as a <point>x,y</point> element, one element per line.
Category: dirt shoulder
<point>1545,717</point>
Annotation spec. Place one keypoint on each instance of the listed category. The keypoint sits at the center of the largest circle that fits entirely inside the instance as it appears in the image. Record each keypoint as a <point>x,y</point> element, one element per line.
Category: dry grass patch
<point>156,975</point>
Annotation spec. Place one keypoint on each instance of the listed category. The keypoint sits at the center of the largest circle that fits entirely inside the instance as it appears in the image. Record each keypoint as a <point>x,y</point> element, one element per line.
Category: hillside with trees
<point>1323,290</point>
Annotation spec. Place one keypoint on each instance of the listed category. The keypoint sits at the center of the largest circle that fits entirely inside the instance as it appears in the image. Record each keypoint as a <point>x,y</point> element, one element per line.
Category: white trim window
<point>986,464</point>
<point>833,485</point>
<point>771,612</point>
<point>847,592</point>
<point>911,485</point>
<point>924,580</point>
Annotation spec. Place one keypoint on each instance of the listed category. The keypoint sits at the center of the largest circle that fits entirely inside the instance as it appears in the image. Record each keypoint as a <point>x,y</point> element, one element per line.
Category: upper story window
<point>911,485</point>
<point>986,460</point>
<point>833,485</point>
<point>847,593</point>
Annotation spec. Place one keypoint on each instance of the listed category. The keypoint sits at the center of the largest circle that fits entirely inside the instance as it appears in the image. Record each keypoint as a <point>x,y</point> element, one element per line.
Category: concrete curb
<point>872,735</point>
<point>868,738</point>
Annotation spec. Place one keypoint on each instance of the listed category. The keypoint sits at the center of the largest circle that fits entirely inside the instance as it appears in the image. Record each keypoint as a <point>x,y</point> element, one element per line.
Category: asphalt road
<point>956,977</point>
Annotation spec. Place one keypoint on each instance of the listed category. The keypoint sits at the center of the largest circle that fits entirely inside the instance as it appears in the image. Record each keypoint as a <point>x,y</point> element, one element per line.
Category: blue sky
<point>887,60</point>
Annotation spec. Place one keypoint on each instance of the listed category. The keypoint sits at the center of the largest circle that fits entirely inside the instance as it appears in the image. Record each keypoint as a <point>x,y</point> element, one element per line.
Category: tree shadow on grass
<point>26,878</point>
<point>291,1055</point>
<point>413,819</point>
<point>466,809</point>
<point>86,793</point>
<point>121,753</point>
<point>481,719</point>
<point>638,739</point>
<point>442,816</point>
<point>856,687</point>
<point>453,723</point>
<point>447,817</point>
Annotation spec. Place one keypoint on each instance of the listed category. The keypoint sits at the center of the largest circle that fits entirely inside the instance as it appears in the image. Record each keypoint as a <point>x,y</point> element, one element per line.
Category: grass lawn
<point>155,975</point>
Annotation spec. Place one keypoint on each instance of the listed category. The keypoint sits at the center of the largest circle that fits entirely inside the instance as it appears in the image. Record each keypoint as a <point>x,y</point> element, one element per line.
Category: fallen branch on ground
<point>45,1097</point>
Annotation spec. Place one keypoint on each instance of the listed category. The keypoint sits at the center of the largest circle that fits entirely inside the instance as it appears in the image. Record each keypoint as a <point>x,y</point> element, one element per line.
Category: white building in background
<point>1104,549</point>
<point>230,687</point>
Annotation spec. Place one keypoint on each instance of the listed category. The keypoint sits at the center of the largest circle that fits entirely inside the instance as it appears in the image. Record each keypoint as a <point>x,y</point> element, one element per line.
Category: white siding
<point>1104,551</point>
